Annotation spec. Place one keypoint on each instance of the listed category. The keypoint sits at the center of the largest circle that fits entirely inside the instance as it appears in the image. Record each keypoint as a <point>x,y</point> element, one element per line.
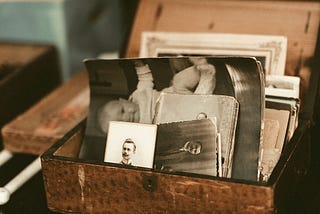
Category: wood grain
<point>50,119</point>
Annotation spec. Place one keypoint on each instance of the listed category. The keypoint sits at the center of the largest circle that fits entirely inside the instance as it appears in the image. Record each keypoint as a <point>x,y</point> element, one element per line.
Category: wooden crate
<point>34,131</point>
<point>29,72</point>
<point>85,186</point>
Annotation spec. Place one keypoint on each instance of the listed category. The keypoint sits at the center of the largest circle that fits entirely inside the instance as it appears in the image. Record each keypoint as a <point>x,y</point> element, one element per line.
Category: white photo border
<point>143,135</point>
<point>272,48</point>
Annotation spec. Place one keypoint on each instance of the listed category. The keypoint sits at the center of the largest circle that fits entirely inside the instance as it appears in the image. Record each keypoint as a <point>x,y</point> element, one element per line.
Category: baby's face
<point>118,110</point>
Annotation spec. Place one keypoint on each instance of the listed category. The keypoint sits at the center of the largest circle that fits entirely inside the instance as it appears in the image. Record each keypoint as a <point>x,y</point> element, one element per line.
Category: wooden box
<point>85,186</point>
<point>28,72</point>
<point>80,186</point>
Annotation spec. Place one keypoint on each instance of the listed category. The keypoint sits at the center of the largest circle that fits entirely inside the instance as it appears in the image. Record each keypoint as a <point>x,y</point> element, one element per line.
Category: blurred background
<point>79,29</point>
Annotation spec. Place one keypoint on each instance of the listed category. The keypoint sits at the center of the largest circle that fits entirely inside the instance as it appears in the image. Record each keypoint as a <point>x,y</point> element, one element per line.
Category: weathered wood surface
<point>34,72</point>
<point>92,188</point>
<point>50,119</point>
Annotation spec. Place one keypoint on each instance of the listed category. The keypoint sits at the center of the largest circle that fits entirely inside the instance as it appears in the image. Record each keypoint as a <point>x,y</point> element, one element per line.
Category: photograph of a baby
<point>185,75</point>
<point>128,90</point>
<point>140,107</point>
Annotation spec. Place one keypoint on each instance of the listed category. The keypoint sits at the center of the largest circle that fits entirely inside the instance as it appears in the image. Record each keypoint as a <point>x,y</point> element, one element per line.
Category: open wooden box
<point>85,186</point>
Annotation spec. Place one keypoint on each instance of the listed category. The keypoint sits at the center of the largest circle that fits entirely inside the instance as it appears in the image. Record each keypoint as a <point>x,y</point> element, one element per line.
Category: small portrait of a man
<point>180,149</point>
<point>128,151</point>
<point>193,147</point>
<point>131,144</point>
<point>202,115</point>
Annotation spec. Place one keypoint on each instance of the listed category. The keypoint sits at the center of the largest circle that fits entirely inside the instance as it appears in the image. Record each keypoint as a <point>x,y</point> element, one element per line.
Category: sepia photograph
<point>128,90</point>
<point>270,50</point>
<point>220,108</point>
<point>283,86</point>
<point>181,149</point>
<point>131,144</point>
<point>276,130</point>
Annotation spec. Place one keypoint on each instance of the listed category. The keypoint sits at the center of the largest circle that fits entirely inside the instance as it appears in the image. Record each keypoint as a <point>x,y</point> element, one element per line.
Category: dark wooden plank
<point>34,72</point>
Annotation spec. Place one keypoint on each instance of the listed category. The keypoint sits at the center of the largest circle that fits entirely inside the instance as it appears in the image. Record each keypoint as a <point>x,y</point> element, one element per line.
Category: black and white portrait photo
<point>131,144</point>
<point>181,149</point>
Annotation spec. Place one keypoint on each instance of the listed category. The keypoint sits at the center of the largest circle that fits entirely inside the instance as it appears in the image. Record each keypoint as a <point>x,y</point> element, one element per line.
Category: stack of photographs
<point>206,101</point>
<point>210,104</point>
<point>280,120</point>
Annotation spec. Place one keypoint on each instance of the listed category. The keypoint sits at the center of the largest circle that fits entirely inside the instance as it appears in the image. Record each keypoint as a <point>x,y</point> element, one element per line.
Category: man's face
<point>127,151</point>
<point>194,147</point>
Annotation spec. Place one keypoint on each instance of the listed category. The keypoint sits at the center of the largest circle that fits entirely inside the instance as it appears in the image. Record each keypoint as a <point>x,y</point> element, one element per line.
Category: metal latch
<point>149,182</point>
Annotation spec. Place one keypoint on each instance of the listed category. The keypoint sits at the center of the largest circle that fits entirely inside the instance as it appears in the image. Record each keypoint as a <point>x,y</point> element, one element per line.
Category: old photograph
<point>283,86</point>
<point>181,149</point>
<point>220,108</point>
<point>270,50</point>
<point>131,144</point>
<point>128,90</point>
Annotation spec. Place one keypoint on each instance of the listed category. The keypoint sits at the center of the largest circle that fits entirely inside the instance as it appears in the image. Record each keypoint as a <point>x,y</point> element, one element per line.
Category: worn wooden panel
<point>95,188</point>
<point>50,119</point>
<point>298,20</point>
<point>28,73</point>
<point>71,148</point>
